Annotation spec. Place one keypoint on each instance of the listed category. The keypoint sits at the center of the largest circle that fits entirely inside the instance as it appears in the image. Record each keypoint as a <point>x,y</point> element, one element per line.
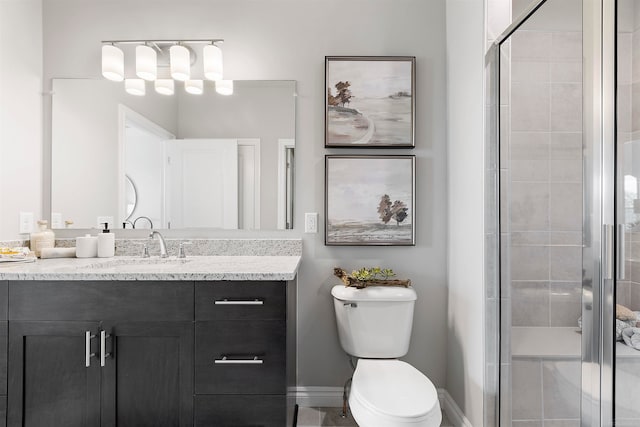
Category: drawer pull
<point>227,361</point>
<point>238,302</point>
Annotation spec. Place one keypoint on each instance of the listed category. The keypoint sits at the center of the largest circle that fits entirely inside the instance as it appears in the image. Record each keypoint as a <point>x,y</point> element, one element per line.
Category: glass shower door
<point>626,349</point>
<point>541,217</point>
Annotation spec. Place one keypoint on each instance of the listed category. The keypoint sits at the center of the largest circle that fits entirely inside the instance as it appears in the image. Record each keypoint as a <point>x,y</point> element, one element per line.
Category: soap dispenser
<point>106,243</point>
<point>43,238</point>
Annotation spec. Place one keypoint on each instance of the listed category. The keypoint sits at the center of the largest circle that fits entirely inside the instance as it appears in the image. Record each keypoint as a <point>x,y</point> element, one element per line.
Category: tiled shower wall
<point>545,178</point>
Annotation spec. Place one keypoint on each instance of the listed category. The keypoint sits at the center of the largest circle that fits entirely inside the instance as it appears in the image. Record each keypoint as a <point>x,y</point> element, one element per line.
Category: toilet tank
<point>374,322</point>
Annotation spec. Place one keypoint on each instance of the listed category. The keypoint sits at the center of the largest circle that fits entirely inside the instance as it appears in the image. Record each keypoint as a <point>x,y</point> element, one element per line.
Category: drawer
<point>241,300</point>
<point>101,300</point>
<point>232,411</point>
<point>240,341</point>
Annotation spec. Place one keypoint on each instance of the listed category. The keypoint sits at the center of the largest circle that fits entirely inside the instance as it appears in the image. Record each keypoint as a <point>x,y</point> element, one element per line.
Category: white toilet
<point>374,324</point>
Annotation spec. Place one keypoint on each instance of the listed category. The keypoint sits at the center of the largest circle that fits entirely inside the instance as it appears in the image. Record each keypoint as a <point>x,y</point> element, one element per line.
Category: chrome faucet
<point>133,224</point>
<point>163,244</point>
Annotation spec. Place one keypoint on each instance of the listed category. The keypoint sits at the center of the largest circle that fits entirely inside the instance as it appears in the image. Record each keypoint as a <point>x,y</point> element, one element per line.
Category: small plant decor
<point>373,276</point>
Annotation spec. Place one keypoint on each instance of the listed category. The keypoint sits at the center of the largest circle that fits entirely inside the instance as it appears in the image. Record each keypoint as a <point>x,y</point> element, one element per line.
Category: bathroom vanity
<point>209,341</point>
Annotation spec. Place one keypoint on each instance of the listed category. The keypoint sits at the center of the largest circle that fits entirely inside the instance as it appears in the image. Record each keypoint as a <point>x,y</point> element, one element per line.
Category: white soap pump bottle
<point>106,243</point>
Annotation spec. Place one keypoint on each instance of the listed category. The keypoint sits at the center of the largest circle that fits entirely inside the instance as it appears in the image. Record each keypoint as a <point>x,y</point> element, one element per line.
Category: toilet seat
<point>392,393</point>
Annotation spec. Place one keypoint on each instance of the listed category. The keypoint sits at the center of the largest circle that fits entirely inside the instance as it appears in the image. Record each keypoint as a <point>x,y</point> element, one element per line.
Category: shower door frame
<point>599,236</point>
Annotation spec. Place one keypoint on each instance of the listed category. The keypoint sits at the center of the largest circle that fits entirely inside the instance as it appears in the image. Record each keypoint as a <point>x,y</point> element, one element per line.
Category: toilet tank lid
<point>374,293</point>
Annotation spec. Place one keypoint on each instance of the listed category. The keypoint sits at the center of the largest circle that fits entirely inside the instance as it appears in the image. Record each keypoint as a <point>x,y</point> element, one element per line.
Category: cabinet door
<point>53,379</point>
<point>148,375</point>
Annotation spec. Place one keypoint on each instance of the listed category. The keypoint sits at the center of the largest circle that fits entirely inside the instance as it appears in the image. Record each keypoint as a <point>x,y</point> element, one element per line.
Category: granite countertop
<point>155,268</point>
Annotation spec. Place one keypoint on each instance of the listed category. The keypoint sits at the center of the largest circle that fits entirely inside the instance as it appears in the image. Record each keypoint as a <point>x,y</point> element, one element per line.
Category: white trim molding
<point>452,410</point>
<point>331,397</point>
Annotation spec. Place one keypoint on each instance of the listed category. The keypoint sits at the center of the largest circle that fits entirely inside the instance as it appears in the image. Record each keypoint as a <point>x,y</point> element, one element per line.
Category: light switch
<point>26,222</point>
<point>311,222</point>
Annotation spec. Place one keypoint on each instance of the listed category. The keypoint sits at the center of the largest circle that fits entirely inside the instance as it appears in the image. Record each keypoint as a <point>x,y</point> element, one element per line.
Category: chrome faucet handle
<point>181,253</point>
<point>145,251</point>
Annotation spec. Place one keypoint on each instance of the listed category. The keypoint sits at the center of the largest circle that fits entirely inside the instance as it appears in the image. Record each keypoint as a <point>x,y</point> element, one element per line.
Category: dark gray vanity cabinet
<point>100,354</point>
<point>147,353</point>
<point>245,341</point>
<point>4,330</point>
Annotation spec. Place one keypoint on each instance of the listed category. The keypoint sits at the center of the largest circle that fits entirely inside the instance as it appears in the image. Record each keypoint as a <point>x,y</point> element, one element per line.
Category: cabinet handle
<point>239,302</point>
<point>226,361</point>
<point>87,348</point>
<point>103,344</point>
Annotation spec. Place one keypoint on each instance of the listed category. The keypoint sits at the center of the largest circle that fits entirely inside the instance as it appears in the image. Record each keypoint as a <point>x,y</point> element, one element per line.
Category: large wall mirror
<point>181,161</point>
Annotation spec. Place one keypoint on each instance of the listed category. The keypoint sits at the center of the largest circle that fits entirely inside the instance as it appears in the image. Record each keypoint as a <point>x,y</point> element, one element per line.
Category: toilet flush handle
<point>351,304</point>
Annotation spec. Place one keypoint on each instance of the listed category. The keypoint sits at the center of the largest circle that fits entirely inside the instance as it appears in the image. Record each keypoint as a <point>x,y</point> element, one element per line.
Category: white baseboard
<point>452,410</point>
<point>332,397</point>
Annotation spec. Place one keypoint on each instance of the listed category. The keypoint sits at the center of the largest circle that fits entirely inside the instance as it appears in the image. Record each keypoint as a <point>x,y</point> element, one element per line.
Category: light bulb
<point>212,59</point>
<point>180,62</point>
<point>146,62</point>
<point>134,87</point>
<point>164,86</point>
<point>224,87</point>
<point>194,87</point>
<point>112,63</point>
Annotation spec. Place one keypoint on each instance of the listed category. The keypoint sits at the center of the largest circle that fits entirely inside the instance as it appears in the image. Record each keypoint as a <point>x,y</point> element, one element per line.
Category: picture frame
<point>370,200</point>
<point>369,101</point>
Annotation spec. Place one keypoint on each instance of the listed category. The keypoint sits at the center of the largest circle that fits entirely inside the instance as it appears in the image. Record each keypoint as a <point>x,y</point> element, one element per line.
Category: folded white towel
<point>631,337</point>
<point>57,253</point>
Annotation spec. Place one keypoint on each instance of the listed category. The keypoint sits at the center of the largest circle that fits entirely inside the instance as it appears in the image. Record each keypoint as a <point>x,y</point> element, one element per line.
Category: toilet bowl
<point>392,393</point>
<point>374,325</point>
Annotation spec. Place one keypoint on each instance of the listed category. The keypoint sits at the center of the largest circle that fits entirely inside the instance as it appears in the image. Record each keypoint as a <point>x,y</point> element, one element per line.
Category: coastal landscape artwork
<point>369,200</point>
<point>369,101</point>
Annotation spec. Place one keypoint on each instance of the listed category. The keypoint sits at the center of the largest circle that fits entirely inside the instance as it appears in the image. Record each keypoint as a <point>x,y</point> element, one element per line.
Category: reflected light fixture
<point>194,87</point>
<point>180,62</point>
<point>224,87</point>
<point>155,60</point>
<point>146,62</point>
<point>164,86</point>
<point>212,62</point>
<point>134,87</point>
<point>112,62</point>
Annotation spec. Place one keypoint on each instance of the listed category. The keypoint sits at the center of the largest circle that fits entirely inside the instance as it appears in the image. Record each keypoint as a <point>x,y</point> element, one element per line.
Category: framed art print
<point>369,101</point>
<point>369,200</point>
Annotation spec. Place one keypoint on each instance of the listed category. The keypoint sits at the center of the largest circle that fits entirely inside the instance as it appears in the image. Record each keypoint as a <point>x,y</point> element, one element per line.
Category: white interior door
<point>202,183</point>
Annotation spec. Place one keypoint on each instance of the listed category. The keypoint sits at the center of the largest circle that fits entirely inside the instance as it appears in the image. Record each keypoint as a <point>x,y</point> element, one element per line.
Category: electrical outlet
<point>26,222</point>
<point>311,222</point>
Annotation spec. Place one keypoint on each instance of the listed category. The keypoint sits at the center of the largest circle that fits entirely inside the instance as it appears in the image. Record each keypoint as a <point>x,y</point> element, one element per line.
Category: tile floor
<point>318,417</point>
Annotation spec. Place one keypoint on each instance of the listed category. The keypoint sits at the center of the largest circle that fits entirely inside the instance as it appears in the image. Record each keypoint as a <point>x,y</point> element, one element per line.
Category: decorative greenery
<point>374,273</point>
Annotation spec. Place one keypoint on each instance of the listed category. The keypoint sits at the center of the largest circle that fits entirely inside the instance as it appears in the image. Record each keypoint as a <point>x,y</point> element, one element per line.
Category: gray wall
<point>465,178</point>
<point>20,113</point>
<point>288,39</point>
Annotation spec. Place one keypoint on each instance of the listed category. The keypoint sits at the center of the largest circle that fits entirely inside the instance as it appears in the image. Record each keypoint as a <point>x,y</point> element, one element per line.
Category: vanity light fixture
<point>224,87</point>
<point>164,86</point>
<point>146,62</point>
<point>194,87</point>
<point>134,87</point>
<point>112,62</point>
<point>212,61</point>
<point>180,60</point>
<point>177,58</point>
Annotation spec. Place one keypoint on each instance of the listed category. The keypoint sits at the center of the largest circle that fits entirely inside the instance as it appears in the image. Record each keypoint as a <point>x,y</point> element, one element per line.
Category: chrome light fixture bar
<point>181,58</point>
